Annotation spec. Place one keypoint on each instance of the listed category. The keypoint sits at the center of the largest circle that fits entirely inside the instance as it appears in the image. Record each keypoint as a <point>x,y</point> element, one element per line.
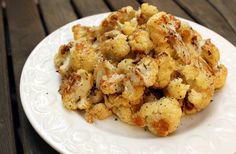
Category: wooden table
<point>24,23</point>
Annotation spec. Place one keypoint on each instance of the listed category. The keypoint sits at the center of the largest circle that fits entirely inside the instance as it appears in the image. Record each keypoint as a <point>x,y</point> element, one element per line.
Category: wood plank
<point>117,4</point>
<point>169,6</point>
<point>90,7</point>
<point>25,32</point>
<point>206,15</point>
<point>227,9</point>
<point>7,137</point>
<point>56,13</point>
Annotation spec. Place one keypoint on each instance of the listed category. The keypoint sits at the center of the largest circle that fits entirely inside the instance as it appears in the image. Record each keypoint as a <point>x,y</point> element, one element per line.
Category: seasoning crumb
<point>116,119</point>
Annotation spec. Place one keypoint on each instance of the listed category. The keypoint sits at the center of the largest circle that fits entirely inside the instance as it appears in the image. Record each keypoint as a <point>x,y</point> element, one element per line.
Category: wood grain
<point>227,9</point>
<point>117,4</point>
<point>56,13</point>
<point>25,32</point>
<point>169,6</point>
<point>7,140</point>
<point>90,7</point>
<point>206,15</point>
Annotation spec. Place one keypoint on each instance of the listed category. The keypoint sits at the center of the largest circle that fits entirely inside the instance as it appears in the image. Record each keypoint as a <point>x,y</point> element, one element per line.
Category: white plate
<point>211,131</point>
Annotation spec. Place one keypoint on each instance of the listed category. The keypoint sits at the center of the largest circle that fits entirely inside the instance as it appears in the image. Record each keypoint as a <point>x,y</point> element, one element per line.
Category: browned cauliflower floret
<point>126,66</point>
<point>112,84</point>
<point>162,117</point>
<point>146,12</point>
<point>201,81</point>
<point>84,56</point>
<point>62,58</point>
<point>161,26</point>
<point>204,79</point>
<point>103,69</point>
<point>188,34</point>
<point>147,68</point>
<point>220,74</point>
<point>210,53</point>
<point>83,32</point>
<point>116,47</point>
<point>96,96</point>
<point>131,92</point>
<point>166,67</point>
<point>116,101</point>
<point>107,79</point>
<point>123,113</point>
<point>129,26</point>
<point>177,89</point>
<point>116,18</point>
<point>189,72</point>
<point>197,100</point>
<point>163,31</point>
<point>140,42</point>
<point>75,89</point>
<point>98,111</point>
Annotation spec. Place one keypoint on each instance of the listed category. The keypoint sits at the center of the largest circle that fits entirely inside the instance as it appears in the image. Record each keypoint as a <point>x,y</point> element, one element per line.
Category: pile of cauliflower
<point>146,67</point>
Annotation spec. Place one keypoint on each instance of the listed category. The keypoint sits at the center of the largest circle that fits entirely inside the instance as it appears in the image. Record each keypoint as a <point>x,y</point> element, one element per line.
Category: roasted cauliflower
<point>146,67</point>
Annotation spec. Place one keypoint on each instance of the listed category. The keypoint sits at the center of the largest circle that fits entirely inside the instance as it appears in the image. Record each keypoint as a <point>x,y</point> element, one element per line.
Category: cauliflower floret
<point>147,68</point>
<point>129,26</point>
<point>146,12</point>
<point>107,80</point>
<point>98,111</point>
<point>83,33</point>
<point>177,89</point>
<point>79,57</point>
<point>166,67</point>
<point>131,92</point>
<point>198,100</point>
<point>210,53</point>
<point>75,89</point>
<point>126,65</point>
<point>116,100</point>
<point>123,113</point>
<point>161,26</point>
<point>199,77</point>
<point>204,79</point>
<point>140,42</point>
<point>103,69</point>
<point>112,84</point>
<point>62,58</point>
<point>189,36</point>
<point>162,117</point>
<point>163,32</point>
<point>116,18</point>
<point>96,96</point>
<point>115,48</point>
<point>220,74</point>
<point>182,53</point>
<point>189,72</point>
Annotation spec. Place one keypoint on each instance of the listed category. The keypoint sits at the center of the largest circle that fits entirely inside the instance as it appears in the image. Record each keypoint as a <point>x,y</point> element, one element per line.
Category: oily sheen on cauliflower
<point>146,67</point>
